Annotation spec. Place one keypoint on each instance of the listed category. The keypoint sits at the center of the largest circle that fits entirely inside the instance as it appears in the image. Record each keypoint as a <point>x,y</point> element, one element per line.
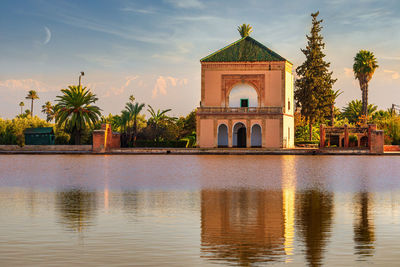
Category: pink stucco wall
<point>206,133</point>
<point>272,133</point>
<point>273,88</point>
<point>212,85</point>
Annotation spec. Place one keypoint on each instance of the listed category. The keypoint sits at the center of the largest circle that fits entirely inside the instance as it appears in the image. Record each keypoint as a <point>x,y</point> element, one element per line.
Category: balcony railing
<point>250,110</point>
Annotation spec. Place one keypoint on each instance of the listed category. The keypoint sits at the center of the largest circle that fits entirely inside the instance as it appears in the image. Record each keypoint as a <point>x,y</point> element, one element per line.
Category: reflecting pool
<point>208,210</point>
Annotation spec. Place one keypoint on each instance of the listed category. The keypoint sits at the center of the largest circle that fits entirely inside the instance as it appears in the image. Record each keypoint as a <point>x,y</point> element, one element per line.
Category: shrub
<point>151,143</point>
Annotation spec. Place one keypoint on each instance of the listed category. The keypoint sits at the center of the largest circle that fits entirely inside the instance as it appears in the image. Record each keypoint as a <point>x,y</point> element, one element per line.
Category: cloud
<point>186,3</point>
<point>121,89</point>
<point>394,74</point>
<point>25,84</point>
<point>128,33</point>
<point>390,58</point>
<point>348,72</point>
<point>138,10</point>
<point>163,82</point>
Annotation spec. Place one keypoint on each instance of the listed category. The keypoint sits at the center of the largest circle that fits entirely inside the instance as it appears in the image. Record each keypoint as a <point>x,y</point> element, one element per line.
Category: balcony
<point>240,111</point>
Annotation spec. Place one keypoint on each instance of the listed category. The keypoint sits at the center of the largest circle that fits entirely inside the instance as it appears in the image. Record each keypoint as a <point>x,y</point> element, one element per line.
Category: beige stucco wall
<point>288,135</point>
<point>289,89</point>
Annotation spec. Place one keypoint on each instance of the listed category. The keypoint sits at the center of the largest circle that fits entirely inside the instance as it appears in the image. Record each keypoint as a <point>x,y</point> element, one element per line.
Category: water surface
<point>200,210</point>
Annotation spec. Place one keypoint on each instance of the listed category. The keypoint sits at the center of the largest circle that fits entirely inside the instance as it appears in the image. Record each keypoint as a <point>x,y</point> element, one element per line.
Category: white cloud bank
<point>394,74</point>
<point>162,83</point>
<point>25,84</point>
<point>120,90</point>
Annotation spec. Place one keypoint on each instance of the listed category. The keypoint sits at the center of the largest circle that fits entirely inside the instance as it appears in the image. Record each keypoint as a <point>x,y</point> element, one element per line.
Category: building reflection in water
<point>364,230</point>
<point>314,213</point>
<point>243,226</point>
<point>76,208</point>
<point>248,226</point>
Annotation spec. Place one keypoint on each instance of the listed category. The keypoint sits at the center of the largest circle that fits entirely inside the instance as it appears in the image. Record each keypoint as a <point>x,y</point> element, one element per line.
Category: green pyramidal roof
<point>245,49</point>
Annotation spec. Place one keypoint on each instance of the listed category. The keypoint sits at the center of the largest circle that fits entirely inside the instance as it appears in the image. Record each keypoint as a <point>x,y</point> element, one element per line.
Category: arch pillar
<point>230,133</point>
<point>248,133</point>
<point>215,133</point>
<point>263,134</point>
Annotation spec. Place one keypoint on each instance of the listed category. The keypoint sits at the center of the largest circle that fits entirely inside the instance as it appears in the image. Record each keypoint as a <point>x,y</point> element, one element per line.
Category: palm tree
<point>134,110</point>
<point>245,30</point>
<point>353,110</point>
<point>157,118</point>
<point>21,104</point>
<point>48,109</point>
<point>75,110</point>
<point>32,94</point>
<point>364,67</point>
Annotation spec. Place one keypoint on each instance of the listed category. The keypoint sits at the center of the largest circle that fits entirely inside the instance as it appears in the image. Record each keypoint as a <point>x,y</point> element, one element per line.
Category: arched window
<point>242,94</point>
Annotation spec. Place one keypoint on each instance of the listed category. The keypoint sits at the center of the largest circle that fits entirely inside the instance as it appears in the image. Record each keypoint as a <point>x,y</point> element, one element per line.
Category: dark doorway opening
<point>241,137</point>
<point>364,141</point>
<point>334,140</point>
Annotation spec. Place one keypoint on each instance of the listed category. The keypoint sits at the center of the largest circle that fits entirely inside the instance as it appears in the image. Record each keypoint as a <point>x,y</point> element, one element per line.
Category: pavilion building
<point>246,98</point>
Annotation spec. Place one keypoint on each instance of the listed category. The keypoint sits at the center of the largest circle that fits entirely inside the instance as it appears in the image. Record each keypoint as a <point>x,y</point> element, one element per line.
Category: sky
<point>151,49</point>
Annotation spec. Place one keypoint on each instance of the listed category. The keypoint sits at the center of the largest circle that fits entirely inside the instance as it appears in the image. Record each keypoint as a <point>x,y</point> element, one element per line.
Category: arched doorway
<point>239,135</point>
<point>334,140</point>
<point>222,136</point>
<point>364,141</point>
<point>256,136</point>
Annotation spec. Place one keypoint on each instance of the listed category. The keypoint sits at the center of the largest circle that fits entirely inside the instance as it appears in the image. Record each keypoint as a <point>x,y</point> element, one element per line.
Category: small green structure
<point>39,136</point>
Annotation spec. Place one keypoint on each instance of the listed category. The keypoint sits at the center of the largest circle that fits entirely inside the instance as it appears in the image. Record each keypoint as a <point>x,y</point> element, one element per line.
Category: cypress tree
<point>313,88</point>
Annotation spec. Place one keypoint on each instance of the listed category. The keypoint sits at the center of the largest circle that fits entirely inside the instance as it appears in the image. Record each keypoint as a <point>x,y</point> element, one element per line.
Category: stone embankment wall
<point>46,148</point>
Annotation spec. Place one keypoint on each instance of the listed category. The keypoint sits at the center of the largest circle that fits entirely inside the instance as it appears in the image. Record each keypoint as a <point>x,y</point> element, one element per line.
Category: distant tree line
<point>75,116</point>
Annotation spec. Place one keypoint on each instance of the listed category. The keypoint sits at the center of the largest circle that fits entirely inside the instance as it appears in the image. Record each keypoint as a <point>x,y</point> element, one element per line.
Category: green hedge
<point>314,142</point>
<point>150,143</point>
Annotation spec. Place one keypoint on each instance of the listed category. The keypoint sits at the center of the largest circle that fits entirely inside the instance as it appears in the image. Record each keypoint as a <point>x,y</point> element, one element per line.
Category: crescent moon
<point>48,35</point>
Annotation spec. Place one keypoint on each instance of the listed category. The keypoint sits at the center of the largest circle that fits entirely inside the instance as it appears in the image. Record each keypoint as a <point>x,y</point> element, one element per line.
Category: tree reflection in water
<point>314,220</point>
<point>364,230</point>
<point>242,227</point>
<point>76,208</point>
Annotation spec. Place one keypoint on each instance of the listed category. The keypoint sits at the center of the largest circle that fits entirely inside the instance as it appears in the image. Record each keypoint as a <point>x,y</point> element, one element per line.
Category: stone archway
<point>239,135</point>
<point>229,81</point>
<point>222,135</point>
<point>240,92</point>
<point>364,141</point>
<point>256,137</point>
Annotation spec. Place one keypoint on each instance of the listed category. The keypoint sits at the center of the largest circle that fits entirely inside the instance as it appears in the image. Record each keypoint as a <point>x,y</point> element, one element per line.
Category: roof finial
<point>245,30</point>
